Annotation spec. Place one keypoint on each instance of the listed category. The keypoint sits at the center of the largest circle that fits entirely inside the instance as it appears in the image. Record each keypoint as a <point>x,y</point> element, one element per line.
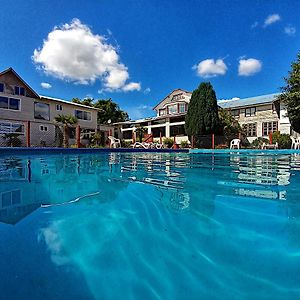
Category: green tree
<point>109,111</point>
<point>140,131</point>
<point>231,127</point>
<point>202,116</point>
<point>85,101</point>
<point>66,121</point>
<point>290,94</point>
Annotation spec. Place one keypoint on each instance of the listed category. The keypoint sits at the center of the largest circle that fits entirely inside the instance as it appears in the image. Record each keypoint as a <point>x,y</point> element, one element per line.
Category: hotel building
<point>258,116</point>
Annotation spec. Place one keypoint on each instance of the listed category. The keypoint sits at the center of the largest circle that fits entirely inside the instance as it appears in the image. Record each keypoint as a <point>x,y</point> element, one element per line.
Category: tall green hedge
<point>202,116</point>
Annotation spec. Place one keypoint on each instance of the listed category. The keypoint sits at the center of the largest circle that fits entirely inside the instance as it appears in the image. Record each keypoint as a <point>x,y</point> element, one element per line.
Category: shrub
<point>12,140</point>
<point>168,142</point>
<point>257,143</point>
<point>184,144</point>
<point>221,146</point>
<point>125,144</point>
<point>284,141</point>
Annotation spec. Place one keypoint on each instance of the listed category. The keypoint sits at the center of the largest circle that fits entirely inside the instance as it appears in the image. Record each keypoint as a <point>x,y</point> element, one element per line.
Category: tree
<point>85,101</point>
<point>290,94</point>
<point>202,115</point>
<point>231,127</point>
<point>140,131</point>
<point>108,110</point>
<point>66,120</point>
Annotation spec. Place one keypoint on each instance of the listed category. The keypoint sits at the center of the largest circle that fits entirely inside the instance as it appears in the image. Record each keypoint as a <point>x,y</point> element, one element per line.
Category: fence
<point>213,141</point>
<point>16,133</point>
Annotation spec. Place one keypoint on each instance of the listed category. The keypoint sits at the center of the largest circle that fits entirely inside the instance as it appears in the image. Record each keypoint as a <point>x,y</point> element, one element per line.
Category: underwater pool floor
<point>150,226</point>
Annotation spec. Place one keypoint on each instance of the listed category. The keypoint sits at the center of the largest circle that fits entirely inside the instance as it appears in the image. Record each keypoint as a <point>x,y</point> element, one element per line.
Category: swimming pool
<point>150,226</point>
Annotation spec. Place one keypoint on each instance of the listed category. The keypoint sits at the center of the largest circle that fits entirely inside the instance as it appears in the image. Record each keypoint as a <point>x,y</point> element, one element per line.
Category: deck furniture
<point>269,146</point>
<point>114,142</point>
<point>235,144</point>
<point>295,143</point>
<point>143,145</point>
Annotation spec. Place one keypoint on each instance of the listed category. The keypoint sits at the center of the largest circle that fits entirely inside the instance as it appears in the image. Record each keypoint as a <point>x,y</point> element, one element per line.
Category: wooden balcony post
<point>213,141</point>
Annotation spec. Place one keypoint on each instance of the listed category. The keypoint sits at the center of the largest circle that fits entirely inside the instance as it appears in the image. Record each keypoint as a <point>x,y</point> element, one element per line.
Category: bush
<point>257,143</point>
<point>184,144</point>
<point>168,142</point>
<point>125,144</point>
<point>284,141</point>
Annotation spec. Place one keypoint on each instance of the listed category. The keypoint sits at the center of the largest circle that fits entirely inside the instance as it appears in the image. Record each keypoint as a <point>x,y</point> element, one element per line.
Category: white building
<point>259,116</point>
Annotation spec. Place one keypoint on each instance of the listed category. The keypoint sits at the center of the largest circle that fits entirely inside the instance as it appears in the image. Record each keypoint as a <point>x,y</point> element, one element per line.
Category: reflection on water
<point>154,225</point>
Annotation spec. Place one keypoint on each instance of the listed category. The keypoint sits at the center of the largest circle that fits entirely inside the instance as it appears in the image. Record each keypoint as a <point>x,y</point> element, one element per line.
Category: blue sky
<point>136,52</point>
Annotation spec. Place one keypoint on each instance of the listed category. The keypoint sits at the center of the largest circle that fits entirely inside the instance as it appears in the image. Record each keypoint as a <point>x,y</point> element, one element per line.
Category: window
<point>177,97</point>
<point>8,127</point>
<point>251,111</point>
<point>43,128</point>
<point>162,112</point>
<point>172,109</point>
<point>9,103</point>
<point>59,107</point>
<point>269,127</point>
<point>83,115</point>
<point>41,111</point>
<point>19,91</point>
<point>182,108</point>
<point>11,198</point>
<point>250,129</point>
<point>235,113</point>
<point>1,87</point>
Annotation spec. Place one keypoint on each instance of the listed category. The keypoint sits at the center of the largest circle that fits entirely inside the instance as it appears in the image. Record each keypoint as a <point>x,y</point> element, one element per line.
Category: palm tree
<point>66,121</point>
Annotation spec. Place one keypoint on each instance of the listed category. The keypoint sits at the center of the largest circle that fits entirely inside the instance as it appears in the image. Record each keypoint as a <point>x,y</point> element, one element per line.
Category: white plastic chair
<point>295,143</point>
<point>114,143</point>
<point>235,144</point>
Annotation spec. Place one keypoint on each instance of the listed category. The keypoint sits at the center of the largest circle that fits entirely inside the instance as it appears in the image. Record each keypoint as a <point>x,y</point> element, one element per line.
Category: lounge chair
<point>269,146</point>
<point>235,144</point>
<point>114,143</point>
<point>146,145</point>
<point>295,143</point>
<point>141,145</point>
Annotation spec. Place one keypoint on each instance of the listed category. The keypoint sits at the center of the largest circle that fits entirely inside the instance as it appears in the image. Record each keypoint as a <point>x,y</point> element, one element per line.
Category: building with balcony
<point>259,116</point>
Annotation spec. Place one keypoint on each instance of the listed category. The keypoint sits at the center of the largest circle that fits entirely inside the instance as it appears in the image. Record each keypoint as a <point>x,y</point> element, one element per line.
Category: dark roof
<point>259,100</point>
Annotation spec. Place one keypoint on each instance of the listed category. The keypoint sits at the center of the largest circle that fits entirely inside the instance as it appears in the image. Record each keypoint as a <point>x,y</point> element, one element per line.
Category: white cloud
<point>271,19</point>
<point>290,30</point>
<point>211,68</point>
<point>132,86</point>
<point>73,53</point>
<point>250,66</point>
<point>147,91</point>
<point>46,85</point>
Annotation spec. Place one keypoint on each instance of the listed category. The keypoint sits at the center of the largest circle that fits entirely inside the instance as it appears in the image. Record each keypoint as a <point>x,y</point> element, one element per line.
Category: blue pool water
<point>150,226</point>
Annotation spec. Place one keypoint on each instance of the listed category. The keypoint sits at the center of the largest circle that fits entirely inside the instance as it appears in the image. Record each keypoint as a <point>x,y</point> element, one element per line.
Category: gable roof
<point>259,100</point>
<point>169,96</point>
<point>10,69</point>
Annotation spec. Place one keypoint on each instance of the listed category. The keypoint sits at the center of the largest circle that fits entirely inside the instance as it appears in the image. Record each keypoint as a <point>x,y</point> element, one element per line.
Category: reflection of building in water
<point>27,184</point>
<point>162,171</point>
<point>261,176</point>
